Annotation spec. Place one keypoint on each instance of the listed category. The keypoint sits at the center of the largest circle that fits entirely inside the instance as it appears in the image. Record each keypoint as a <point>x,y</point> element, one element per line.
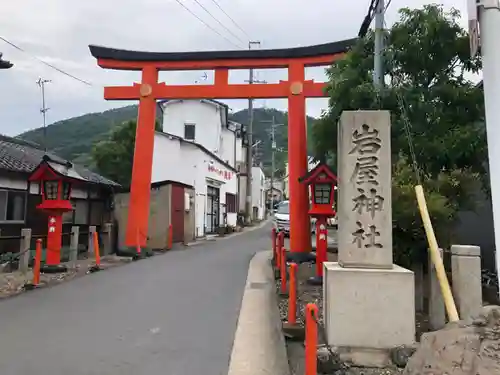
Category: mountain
<point>73,138</point>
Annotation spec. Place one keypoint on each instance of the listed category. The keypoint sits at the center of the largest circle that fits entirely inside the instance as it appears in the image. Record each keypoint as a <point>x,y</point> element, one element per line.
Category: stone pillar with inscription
<point>369,303</point>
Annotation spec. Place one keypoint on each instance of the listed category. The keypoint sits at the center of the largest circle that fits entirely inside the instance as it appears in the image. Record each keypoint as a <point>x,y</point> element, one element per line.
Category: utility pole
<point>273,150</point>
<point>378,70</point>
<point>487,14</point>
<point>43,110</point>
<point>248,206</point>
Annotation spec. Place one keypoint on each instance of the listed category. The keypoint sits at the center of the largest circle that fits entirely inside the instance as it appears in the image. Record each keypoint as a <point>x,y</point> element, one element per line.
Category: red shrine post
<point>55,184</point>
<point>321,181</point>
<point>296,89</point>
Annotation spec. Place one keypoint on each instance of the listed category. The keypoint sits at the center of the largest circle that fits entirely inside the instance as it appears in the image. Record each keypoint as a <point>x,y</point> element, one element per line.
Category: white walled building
<point>276,191</point>
<point>258,194</point>
<point>286,189</point>
<point>199,147</point>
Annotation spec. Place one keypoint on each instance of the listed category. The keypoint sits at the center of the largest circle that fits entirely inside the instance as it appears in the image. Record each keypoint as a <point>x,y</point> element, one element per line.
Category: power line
<point>206,24</point>
<point>219,22</point>
<point>387,5</point>
<point>232,20</point>
<point>368,18</point>
<point>45,63</point>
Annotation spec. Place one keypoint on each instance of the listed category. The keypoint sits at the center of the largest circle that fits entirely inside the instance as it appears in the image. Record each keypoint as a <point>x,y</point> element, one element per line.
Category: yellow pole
<point>449,303</point>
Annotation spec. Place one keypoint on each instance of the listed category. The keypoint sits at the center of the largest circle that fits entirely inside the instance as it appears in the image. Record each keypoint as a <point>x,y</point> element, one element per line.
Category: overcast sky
<point>59,32</point>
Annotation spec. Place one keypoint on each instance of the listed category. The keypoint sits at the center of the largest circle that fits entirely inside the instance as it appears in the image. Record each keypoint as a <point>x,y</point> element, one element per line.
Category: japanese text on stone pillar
<point>366,145</point>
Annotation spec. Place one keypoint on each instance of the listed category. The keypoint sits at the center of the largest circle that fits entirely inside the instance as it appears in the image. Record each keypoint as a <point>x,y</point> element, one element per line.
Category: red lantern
<point>55,181</point>
<point>322,182</point>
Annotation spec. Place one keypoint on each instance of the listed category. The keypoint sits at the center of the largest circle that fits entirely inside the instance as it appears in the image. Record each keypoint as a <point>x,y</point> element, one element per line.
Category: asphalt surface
<point>172,314</point>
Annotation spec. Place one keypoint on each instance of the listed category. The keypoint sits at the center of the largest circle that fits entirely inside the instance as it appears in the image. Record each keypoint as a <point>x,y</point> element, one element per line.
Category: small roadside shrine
<point>322,182</point>
<point>55,179</point>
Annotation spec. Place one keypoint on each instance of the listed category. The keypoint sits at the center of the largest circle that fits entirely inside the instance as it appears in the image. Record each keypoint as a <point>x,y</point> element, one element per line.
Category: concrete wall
<point>159,216</point>
<point>258,192</point>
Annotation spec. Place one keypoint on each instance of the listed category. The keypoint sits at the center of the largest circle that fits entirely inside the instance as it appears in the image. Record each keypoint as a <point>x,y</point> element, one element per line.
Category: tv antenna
<point>43,110</point>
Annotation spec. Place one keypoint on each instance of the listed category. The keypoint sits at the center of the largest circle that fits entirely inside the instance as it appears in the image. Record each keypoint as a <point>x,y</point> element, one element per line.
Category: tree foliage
<point>114,156</point>
<point>426,59</point>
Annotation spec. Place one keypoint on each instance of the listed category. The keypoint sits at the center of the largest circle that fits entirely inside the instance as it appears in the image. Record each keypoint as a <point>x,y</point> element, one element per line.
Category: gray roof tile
<point>22,156</point>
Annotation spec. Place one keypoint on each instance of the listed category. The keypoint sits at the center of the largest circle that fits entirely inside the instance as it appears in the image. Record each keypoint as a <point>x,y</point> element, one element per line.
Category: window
<point>12,205</point>
<point>230,203</point>
<point>50,189</point>
<point>66,190</point>
<point>322,193</point>
<point>189,132</point>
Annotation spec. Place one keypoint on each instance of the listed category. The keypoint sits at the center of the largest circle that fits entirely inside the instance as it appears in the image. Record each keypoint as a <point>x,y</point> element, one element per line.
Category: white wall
<point>186,163</point>
<point>210,126</point>
<point>258,191</point>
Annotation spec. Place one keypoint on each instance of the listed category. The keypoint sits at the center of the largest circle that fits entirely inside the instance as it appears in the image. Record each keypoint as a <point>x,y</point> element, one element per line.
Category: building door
<point>213,212</point>
<point>177,213</point>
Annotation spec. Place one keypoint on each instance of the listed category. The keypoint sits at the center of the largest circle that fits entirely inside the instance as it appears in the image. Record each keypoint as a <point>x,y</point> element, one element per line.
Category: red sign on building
<point>226,175</point>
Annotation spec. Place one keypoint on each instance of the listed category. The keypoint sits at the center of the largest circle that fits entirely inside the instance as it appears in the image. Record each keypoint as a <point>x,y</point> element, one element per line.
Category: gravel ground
<point>313,294</point>
<point>12,283</point>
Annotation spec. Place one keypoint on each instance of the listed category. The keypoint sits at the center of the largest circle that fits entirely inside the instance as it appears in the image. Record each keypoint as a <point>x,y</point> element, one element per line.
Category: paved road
<point>172,314</point>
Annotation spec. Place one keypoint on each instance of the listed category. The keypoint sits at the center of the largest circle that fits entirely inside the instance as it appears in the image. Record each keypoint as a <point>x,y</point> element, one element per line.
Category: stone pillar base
<point>368,312</point>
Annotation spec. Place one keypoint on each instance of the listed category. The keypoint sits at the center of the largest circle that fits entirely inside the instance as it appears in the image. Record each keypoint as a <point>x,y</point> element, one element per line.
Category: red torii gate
<point>296,89</point>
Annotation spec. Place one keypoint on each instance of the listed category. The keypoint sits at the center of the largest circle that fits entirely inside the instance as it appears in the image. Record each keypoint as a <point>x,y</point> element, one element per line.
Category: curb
<point>259,346</point>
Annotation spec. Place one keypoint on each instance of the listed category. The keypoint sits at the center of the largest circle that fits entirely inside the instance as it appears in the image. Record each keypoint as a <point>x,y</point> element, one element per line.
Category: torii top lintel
<point>150,63</point>
<point>316,55</point>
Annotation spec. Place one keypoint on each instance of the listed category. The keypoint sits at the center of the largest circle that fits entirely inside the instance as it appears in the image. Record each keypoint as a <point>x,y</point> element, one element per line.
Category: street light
<point>4,64</point>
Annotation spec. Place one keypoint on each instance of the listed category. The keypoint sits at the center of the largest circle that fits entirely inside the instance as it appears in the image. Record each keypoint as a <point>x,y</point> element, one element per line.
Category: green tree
<point>429,96</point>
<point>114,156</point>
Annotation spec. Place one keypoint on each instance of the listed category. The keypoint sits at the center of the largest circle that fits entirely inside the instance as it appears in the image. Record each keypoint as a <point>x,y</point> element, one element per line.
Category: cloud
<point>59,31</point>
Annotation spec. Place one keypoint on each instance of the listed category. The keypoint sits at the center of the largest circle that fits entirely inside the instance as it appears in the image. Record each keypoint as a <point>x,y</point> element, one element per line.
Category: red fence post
<point>273,240</point>
<point>283,290</point>
<point>311,342</point>
<point>292,295</point>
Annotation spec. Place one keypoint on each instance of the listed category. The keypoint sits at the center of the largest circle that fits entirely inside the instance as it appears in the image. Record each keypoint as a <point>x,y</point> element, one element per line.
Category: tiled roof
<point>22,156</point>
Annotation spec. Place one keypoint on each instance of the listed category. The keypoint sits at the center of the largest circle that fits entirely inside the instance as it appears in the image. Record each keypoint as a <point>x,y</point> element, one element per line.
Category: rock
<point>461,348</point>
<point>402,354</point>
<point>328,362</point>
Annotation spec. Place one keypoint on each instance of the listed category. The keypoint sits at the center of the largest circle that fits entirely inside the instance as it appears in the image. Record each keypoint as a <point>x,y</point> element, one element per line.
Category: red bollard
<point>277,265</point>
<point>311,342</point>
<point>273,240</point>
<point>97,253</point>
<point>38,262</point>
<point>281,241</point>
<point>283,290</point>
<point>292,330</point>
<point>292,295</point>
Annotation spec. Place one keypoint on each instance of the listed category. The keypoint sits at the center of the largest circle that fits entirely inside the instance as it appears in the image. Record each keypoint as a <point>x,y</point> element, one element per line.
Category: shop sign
<point>226,175</point>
